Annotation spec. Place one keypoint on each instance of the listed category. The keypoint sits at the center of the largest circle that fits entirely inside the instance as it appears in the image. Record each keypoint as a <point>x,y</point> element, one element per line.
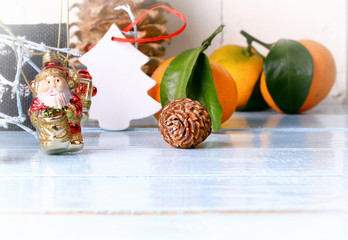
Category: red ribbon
<point>142,40</point>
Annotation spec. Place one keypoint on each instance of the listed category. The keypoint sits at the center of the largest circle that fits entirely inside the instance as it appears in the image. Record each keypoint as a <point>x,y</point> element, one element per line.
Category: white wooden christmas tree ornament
<point>122,85</point>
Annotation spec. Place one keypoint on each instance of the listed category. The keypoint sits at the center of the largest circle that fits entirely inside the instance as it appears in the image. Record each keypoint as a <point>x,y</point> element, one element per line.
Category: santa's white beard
<point>55,97</point>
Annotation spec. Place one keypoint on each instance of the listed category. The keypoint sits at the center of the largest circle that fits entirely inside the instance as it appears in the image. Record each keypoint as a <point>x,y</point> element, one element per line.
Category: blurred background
<point>268,20</point>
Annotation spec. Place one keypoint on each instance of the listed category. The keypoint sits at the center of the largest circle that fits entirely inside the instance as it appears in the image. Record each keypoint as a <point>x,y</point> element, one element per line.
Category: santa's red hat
<point>55,65</point>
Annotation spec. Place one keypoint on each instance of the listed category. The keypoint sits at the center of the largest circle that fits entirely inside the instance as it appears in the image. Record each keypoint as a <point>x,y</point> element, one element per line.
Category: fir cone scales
<point>96,16</point>
<point>184,123</point>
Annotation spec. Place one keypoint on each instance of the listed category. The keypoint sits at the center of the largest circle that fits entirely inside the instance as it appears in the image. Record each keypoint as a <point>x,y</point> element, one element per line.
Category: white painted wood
<point>122,162</point>
<point>203,18</point>
<point>266,176</point>
<point>172,227</point>
<point>268,20</point>
<point>31,12</point>
<point>159,195</point>
<point>297,163</point>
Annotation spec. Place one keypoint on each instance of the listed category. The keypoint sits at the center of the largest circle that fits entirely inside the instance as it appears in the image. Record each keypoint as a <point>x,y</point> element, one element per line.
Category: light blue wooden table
<point>264,176</point>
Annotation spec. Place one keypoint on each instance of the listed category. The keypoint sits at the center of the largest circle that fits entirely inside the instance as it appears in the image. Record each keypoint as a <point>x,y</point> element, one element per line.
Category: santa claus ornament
<point>56,110</point>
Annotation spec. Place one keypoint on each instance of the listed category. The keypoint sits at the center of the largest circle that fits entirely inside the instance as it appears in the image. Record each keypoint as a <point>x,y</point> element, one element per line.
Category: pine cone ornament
<point>184,123</point>
<point>96,17</point>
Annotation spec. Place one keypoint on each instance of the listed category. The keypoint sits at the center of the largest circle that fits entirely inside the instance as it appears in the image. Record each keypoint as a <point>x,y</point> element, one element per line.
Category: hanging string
<point>3,26</point>
<point>19,58</point>
<point>22,72</point>
<point>66,59</point>
<point>128,9</point>
<point>153,39</point>
<point>67,27</point>
<point>60,23</point>
<point>16,40</point>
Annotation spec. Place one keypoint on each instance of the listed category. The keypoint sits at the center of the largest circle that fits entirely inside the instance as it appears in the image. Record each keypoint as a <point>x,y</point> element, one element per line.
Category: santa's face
<point>54,92</point>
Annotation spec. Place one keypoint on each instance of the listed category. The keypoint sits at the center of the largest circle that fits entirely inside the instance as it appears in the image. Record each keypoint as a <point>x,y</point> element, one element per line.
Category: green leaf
<point>177,75</point>
<point>189,75</point>
<point>289,71</point>
<point>202,88</point>
<point>256,101</point>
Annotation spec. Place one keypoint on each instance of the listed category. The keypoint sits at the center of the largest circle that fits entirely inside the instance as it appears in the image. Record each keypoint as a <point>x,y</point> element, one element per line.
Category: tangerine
<point>245,68</point>
<point>226,88</point>
<point>324,76</point>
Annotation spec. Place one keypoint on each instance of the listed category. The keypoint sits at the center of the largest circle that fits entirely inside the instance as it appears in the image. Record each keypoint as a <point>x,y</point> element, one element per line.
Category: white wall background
<point>269,20</point>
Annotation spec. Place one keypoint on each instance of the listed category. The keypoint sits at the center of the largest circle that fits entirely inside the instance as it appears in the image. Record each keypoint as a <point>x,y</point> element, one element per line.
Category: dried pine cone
<point>184,123</point>
<point>96,16</point>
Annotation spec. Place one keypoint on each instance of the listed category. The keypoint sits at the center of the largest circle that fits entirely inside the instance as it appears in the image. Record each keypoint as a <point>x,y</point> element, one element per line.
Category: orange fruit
<point>324,73</point>
<point>265,94</point>
<point>157,75</point>
<point>245,68</point>
<point>324,76</point>
<point>226,88</point>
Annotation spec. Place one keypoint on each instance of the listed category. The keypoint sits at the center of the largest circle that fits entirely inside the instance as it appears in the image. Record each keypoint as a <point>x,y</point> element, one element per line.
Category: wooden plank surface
<point>265,176</point>
<point>173,227</point>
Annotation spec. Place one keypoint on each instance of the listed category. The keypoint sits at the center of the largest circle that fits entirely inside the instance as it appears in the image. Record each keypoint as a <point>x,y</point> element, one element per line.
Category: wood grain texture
<point>263,176</point>
<point>193,227</point>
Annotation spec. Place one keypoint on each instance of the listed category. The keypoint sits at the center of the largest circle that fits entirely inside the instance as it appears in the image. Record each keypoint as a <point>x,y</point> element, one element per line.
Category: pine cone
<point>184,123</point>
<point>96,17</point>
